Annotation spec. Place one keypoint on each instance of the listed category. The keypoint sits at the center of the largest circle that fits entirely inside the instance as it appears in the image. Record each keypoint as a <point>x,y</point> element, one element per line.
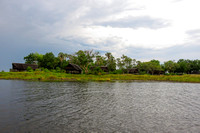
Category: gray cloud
<point>193,32</point>
<point>137,22</point>
<point>194,35</point>
<point>36,26</point>
<point>172,53</point>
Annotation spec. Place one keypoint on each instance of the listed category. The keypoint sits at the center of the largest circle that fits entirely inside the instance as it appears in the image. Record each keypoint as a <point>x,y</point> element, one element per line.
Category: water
<point>137,107</point>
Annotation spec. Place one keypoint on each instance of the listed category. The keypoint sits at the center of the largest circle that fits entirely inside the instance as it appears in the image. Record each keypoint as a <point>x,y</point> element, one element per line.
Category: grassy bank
<point>50,76</point>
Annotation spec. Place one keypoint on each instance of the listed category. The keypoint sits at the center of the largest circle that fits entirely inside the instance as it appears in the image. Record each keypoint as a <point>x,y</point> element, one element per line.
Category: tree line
<point>87,59</point>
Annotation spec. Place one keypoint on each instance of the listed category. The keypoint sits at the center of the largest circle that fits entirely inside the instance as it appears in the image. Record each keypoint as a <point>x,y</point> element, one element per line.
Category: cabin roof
<point>76,67</point>
<point>22,66</point>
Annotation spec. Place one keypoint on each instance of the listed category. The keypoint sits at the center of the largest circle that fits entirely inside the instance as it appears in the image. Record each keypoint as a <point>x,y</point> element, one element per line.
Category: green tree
<point>128,62</point>
<point>84,59</point>
<point>120,64</point>
<point>170,66</point>
<point>49,61</point>
<point>31,58</point>
<point>150,67</point>
<point>195,65</point>
<point>62,58</point>
<point>110,62</point>
<point>184,66</point>
<point>125,63</point>
<point>34,58</point>
<point>100,61</point>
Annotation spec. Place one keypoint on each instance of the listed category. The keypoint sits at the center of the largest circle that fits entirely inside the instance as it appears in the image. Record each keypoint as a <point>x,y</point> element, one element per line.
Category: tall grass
<point>52,76</point>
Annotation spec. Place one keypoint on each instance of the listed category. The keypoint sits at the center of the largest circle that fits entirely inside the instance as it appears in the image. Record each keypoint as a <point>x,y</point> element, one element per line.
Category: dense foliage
<point>88,59</point>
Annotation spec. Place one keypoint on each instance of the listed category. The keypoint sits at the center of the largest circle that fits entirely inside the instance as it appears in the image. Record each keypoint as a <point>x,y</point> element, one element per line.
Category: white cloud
<point>107,25</point>
<point>180,16</point>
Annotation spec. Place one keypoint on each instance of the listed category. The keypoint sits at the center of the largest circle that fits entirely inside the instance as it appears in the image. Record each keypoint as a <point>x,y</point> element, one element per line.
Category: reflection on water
<point>99,107</point>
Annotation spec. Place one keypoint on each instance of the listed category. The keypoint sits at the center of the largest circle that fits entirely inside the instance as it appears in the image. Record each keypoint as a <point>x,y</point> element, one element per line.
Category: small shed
<point>103,68</point>
<point>19,67</point>
<point>133,71</point>
<point>73,69</point>
<point>195,72</point>
<point>158,72</point>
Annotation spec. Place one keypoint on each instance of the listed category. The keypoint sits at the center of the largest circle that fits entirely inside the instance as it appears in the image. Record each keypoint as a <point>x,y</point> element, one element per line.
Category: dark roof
<point>104,68</point>
<point>22,66</point>
<point>133,70</point>
<point>76,67</point>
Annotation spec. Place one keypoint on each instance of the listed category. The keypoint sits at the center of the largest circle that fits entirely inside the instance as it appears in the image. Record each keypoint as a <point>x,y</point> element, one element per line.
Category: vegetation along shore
<point>89,65</point>
<point>53,76</point>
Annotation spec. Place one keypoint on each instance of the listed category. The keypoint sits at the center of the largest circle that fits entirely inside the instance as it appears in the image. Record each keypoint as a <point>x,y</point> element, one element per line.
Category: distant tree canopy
<point>89,58</point>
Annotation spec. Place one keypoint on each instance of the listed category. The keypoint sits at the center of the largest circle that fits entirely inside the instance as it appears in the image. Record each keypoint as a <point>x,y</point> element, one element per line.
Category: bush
<point>63,71</point>
<point>117,72</point>
<point>97,71</point>
<point>58,70</point>
<point>142,73</point>
<point>29,69</point>
<point>46,70</point>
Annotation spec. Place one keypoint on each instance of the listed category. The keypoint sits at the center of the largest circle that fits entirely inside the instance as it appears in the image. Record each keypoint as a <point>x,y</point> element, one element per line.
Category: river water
<point>137,107</point>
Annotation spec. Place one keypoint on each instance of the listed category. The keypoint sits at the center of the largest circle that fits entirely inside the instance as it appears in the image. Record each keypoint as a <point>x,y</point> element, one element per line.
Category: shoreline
<point>62,77</point>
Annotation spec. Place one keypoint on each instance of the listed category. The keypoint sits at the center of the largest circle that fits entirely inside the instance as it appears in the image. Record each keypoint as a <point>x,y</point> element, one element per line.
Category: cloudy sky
<point>141,29</point>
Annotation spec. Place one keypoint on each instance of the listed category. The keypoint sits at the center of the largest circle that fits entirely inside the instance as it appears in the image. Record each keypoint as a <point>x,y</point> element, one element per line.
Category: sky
<point>141,29</point>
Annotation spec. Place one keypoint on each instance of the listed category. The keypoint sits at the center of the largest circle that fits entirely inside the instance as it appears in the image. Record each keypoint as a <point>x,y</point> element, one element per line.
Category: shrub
<point>142,73</point>
<point>29,69</point>
<point>58,70</point>
<point>117,72</point>
<point>46,70</point>
<point>97,71</point>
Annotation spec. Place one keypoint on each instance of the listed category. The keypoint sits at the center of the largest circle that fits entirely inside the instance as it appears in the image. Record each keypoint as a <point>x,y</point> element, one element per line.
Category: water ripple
<point>137,107</point>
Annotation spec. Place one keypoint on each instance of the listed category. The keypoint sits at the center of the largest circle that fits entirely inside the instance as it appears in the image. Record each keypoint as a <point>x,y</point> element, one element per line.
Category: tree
<point>195,65</point>
<point>120,64</point>
<point>128,62</point>
<point>83,59</point>
<point>30,59</point>
<point>49,61</point>
<point>150,67</point>
<point>125,62</point>
<point>154,65</point>
<point>170,66</point>
<point>184,66</point>
<point>100,61</point>
<point>110,62</point>
<point>62,57</point>
<point>34,58</point>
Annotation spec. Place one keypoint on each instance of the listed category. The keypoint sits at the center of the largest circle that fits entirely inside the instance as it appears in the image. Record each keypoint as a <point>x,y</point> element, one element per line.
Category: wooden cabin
<point>133,71</point>
<point>103,68</point>
<point>156,72</point>
<point>20,67</point>
<point>195,72</point>
<point>73,69</point>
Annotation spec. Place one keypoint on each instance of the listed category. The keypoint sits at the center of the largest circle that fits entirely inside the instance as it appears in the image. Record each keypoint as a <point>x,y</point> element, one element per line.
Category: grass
<point>52,76</point>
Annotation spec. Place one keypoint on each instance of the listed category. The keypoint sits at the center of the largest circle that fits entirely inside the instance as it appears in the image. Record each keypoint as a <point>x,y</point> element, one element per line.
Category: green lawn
<point>51,76</point>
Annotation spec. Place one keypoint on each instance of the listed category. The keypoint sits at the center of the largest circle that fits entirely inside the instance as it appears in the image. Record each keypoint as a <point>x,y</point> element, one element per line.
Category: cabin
<point>159,72</point>
<point>195,72</point>
<point>73,69</point>
<point>20,67</point>
<point>103,68</point>
<point>133,71</point>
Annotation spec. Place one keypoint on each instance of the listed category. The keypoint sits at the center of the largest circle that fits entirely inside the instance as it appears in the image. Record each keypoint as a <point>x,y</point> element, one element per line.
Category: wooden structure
<point>103,68</point>
<point>20,67</point>
<point>133,71</point>
<point>73,69</point>
<point>195,72</point>
<point>156,72</point>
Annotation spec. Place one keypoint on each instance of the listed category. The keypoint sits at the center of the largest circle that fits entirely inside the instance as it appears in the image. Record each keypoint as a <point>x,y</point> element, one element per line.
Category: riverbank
<point>51,76</point>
